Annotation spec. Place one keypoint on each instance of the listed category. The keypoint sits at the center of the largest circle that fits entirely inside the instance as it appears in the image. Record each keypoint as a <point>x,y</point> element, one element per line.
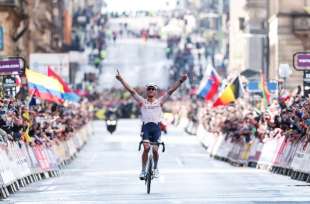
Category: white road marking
<point>174,171</point>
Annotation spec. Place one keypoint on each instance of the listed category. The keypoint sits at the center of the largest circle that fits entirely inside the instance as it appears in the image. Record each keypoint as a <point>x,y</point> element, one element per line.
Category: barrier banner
<point>211,140</point>
<point>27,160</point>
<point>7,174</point>
<point>33,161</point>
<point>19,160</point>
<point>222,147</point>
<point>43,163</point>
<point>255,151</point>
<point>270,147</point>
<point>235,153</point>
<point>66,150</point>
<point>300,161</point>
<point>273,152</point>
<point>285,154</point>
<point>208,139</point>
<point>71,147</point>
<point>245,153</point>
<point>305,165</point>
<point>61,151</point>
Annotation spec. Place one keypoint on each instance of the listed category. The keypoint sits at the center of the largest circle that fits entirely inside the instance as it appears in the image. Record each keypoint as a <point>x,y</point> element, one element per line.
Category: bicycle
<point>149,165</point>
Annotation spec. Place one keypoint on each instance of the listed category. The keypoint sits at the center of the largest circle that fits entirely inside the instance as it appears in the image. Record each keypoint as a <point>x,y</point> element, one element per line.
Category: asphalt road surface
<point>107,169</point>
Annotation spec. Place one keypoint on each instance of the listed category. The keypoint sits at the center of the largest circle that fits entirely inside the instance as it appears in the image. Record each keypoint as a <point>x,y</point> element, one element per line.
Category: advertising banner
<point>301,61</point>
<point>9,66</point>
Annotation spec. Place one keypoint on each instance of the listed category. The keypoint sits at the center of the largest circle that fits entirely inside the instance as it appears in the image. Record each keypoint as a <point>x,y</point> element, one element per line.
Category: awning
<point>250,73</point>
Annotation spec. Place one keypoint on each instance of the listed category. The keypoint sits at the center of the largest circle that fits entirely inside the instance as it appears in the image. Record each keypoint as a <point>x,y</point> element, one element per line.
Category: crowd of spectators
<point>182,53</point>
<point>191,54</point>
<point>40,124</point>
<point>117,99</point>
<point>288,116</point>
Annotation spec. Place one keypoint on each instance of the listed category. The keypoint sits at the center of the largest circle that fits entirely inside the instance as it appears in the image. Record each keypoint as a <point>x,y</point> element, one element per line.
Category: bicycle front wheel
<point>149,177</point>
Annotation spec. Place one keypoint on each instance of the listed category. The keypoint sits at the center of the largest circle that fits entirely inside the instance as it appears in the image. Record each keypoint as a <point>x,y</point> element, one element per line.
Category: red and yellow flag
<point>265,91</point>
<point>230,93</point>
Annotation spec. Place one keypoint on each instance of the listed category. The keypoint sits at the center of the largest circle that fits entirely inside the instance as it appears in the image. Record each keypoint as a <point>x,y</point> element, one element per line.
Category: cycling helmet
<point>151,85</point>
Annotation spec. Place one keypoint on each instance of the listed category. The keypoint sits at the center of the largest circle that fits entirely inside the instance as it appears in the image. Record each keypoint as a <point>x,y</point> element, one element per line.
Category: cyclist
<point>151,113</point>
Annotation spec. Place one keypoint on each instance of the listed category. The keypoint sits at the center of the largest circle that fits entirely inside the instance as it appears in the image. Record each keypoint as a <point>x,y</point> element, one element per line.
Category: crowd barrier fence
<point>276,154</point>
<point>22,164</point>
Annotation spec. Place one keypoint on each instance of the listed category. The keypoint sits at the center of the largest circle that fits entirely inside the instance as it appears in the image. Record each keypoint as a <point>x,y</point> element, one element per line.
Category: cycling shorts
<point>151,132</point>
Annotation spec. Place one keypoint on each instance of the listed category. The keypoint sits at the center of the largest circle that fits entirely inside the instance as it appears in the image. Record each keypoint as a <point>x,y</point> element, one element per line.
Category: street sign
<point>301,61</point>
<point>284,71</point>
<point>9,81</point>
<point>9,66</point>
<point>1,38</point>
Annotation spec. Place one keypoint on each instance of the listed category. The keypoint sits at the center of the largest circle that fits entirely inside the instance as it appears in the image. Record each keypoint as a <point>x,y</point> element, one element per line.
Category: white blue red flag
<point>210,84</point>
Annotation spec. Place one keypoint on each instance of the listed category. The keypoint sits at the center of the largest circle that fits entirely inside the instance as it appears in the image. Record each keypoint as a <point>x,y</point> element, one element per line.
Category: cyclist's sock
<point>143,167</point>
<point>155,164</point>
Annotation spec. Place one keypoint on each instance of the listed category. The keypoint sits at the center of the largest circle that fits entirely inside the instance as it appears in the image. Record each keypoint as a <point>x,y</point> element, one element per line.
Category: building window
<point>241,23</point>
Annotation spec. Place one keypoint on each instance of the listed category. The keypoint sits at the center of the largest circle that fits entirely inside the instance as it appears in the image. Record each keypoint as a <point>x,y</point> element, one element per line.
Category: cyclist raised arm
<point>151,115</point>
<point>131,90</point>
<point>173,88</point>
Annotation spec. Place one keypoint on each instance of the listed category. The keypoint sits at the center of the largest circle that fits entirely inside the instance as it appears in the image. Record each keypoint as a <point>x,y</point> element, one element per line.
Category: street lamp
<point>284,72</point>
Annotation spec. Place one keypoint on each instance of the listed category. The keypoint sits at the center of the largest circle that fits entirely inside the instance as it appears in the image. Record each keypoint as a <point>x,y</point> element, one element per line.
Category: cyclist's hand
<point>118,76</point>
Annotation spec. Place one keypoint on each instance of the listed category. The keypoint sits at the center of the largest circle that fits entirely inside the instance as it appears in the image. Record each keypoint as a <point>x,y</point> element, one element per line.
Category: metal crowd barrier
<point>21,164</point>
<point>278,155</point>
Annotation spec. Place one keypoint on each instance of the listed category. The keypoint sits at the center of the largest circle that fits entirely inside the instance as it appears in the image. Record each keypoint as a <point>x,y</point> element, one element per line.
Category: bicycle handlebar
<point>154,143</point>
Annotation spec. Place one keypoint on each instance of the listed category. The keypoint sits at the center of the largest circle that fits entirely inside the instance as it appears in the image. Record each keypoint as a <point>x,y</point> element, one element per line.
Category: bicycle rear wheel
<point>149,176</point>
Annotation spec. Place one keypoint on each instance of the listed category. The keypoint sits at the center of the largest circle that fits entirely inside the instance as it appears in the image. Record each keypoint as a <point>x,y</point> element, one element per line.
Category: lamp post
<point>284,72</point>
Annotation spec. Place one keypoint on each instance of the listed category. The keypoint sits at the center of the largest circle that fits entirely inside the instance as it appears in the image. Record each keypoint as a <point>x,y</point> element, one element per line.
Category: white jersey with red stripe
<point>151,111</point>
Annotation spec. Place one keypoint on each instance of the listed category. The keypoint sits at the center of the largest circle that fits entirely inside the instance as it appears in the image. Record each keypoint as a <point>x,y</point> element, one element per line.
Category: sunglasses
<point>150,89</point>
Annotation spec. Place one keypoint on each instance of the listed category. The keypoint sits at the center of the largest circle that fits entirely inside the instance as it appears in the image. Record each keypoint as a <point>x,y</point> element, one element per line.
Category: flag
<point>32,101</point>
<point>209,86</point>
<point>44,87</point>
<point>265,91</point>
<point>52,73</point>
<point>25,135</point>
<point>230,93</point>
<point>68,94</point>
<point>18,83</point>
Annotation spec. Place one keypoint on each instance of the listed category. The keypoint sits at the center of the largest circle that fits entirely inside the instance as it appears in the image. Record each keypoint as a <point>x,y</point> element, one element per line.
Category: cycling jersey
<point>151,112</point>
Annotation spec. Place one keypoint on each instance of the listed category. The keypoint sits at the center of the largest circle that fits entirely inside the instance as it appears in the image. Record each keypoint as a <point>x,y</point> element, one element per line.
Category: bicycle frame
<point>149,165</point>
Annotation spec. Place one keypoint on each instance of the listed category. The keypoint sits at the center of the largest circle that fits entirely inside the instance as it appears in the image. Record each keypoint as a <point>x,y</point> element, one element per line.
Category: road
<point>138,61</point>
<point>106,171</point>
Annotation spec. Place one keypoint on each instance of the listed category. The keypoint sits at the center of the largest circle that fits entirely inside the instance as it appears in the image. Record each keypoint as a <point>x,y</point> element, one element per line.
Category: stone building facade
<point>248,37</point>
<point>262,37</point>
<point>283,40</point>
<point>35,26</point>
<point>236,37</point>
<point>13,25</point>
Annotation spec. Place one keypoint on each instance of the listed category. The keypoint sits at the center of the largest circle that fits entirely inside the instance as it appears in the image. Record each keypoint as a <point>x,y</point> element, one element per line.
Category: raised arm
<point>125,84</point>
<point>128,88</point>
<point>177,84</point>
<point>172,89</point>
